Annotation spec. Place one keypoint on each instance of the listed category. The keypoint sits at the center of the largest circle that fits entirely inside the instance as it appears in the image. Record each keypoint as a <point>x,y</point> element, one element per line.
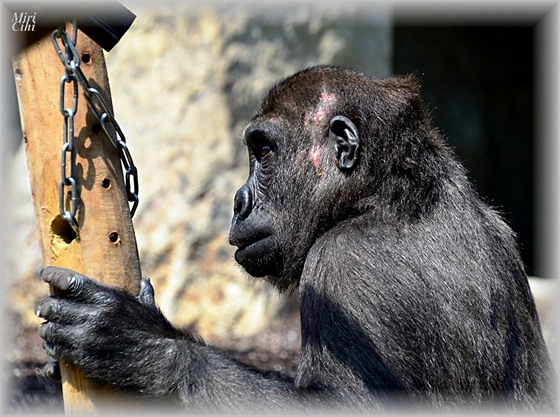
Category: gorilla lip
<point>246,243</point>
<point>243,244</point>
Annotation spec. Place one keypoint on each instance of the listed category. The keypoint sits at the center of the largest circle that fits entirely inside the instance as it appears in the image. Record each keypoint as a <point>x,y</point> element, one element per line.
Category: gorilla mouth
<point>243,244</point>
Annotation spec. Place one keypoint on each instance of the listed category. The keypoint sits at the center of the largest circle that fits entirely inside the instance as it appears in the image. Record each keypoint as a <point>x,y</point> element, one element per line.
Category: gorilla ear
<point>344,134</point>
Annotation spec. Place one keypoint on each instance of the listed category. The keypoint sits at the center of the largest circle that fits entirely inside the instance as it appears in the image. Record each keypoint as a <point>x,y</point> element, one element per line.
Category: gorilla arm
<point>126,342</point>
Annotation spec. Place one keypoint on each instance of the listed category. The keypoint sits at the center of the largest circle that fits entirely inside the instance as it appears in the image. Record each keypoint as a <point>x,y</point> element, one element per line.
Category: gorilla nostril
<point>242,202</point>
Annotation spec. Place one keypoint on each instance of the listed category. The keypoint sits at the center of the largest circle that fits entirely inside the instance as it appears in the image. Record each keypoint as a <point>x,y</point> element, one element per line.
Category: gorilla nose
<point>242,203</point>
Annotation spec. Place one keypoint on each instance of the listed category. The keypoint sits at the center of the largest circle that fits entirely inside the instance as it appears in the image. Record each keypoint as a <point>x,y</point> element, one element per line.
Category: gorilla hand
<point>114,337</point>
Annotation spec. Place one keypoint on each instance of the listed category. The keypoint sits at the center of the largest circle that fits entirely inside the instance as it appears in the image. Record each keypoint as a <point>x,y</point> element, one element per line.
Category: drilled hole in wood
<point>114,237</point>
<point>62,230</point>
<point>106,183</point>
<point>86,58</point>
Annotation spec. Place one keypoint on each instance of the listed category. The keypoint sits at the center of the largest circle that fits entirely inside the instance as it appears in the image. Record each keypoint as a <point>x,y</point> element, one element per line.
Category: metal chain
<point>74,75</point>
<point>68,148</point>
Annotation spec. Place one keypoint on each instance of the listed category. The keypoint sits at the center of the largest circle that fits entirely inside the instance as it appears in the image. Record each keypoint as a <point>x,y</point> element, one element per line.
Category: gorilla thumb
<point>146,295</point>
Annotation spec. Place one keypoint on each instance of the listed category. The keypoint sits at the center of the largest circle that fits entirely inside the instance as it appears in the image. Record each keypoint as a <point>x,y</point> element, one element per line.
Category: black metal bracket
<point>106,25</point>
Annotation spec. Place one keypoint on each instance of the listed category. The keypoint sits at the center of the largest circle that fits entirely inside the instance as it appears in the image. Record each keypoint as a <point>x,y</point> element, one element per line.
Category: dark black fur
<point>411,288</point>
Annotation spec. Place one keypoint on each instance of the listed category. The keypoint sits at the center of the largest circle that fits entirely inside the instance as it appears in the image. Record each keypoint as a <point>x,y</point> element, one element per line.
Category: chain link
<point>74,75</point>
<point>68,158</point>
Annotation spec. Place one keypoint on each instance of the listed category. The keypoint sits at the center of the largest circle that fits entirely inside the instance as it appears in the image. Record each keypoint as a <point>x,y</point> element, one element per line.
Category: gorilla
<point>411,288</point>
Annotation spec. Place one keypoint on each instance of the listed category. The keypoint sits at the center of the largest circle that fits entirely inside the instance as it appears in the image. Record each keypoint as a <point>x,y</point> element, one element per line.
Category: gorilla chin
<point>260,258</point>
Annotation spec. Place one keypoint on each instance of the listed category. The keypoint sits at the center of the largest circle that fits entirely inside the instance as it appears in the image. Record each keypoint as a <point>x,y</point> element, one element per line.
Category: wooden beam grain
<point>106,249</point>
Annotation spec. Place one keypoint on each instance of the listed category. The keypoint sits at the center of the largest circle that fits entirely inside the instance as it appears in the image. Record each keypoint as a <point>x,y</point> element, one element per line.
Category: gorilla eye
<point>259,143</point>
<point>265,150</point>
<point>261,149</point>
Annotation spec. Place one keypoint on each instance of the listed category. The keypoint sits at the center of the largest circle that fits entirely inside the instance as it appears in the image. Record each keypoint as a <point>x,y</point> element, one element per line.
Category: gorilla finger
<point>63,311</point>
<point>51,350</point>
<point>52,332</point>
<point>52,370</point>
<point>47,331</point>
<point>61,349</point>
<point>146,295</point>
<point>56,276</point>
<point>47,308</point>
<point>74,285</point>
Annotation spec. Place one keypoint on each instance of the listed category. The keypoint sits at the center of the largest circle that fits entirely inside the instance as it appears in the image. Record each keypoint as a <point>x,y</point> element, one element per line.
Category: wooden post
<point>106,249</point>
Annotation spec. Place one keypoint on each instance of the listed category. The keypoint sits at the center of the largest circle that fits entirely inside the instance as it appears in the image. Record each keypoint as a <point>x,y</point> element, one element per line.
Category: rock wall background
<point>184,79</point>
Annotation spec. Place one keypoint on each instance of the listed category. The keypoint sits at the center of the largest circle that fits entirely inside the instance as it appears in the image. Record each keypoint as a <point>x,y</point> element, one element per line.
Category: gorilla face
<point>297,160</point>
<point>255,230</point>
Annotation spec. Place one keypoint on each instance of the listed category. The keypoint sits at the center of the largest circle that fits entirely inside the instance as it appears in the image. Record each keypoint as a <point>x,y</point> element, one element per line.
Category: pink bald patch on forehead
<point>313,117</point>
<point>315,155</point>
<point>326,97</point>
<point>318,114</point>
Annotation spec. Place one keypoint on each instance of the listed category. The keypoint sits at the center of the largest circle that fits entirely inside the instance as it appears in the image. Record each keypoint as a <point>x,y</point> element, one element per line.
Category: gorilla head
<point>325,145</point>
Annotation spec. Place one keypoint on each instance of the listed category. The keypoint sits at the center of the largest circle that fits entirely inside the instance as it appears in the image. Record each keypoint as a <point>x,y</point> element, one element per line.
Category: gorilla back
<point>412,291</point>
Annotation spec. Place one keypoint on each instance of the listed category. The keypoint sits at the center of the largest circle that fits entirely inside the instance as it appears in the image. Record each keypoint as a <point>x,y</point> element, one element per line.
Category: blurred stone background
<point>184,80</point>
